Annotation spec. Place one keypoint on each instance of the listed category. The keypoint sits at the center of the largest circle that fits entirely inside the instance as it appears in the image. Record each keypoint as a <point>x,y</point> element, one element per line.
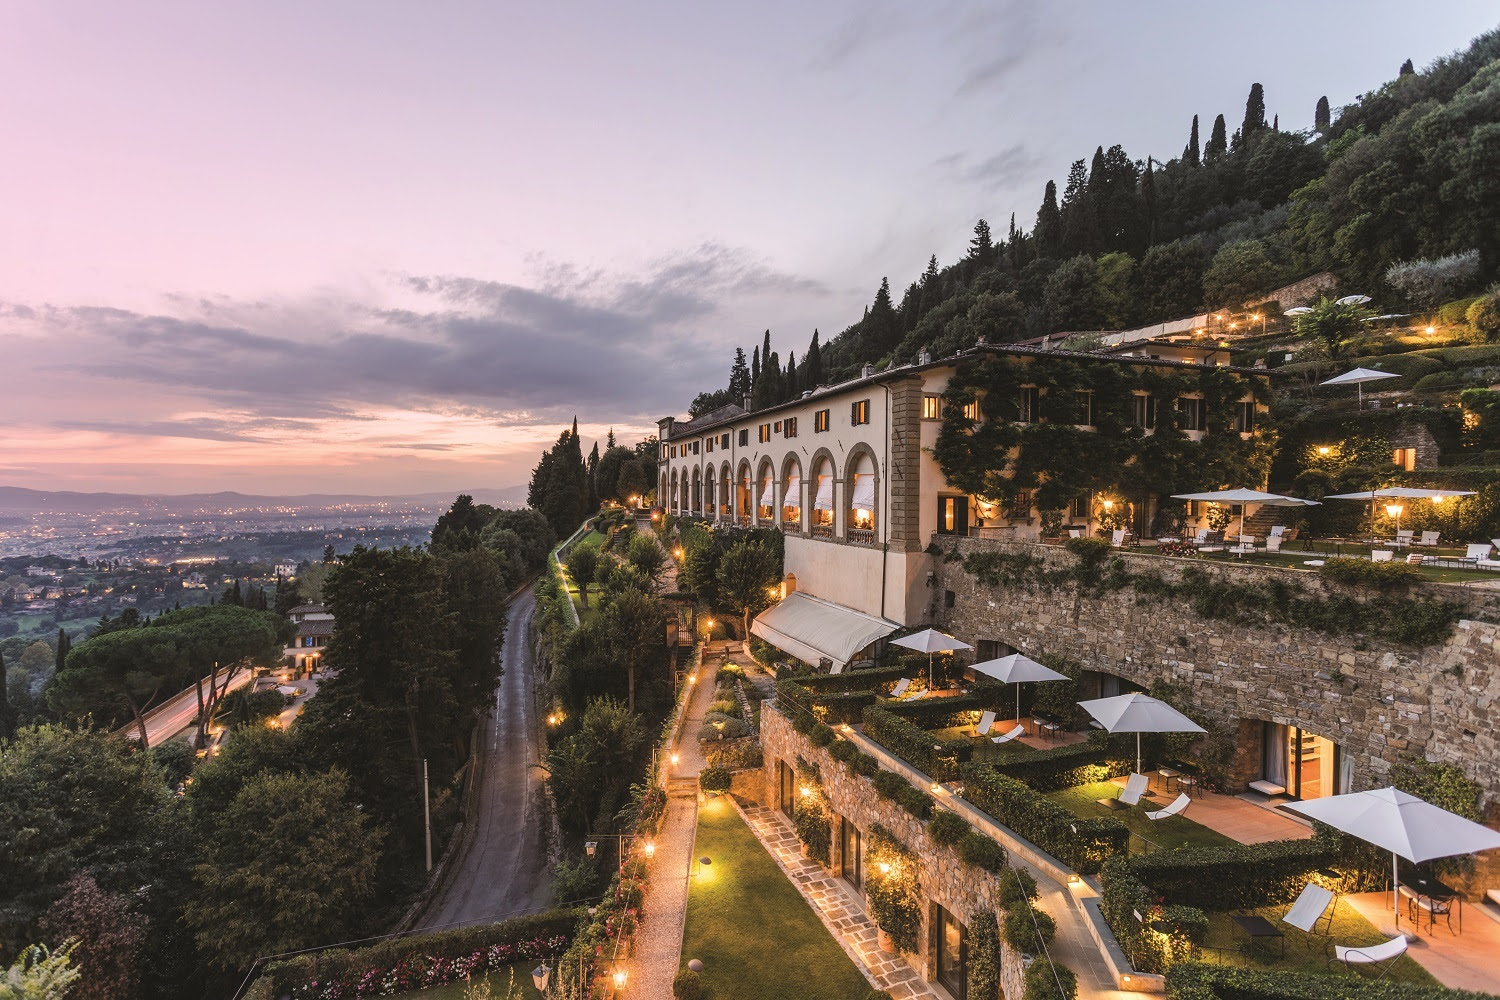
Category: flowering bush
<point>1176,549</point>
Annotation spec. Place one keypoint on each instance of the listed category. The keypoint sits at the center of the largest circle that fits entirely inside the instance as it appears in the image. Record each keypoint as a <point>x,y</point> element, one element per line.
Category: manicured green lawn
<point>1294,557</point>
<point>1304,952</point>
<point>500,986</point>
<point>1169,833</point>
<point>756,936</point>
<point>984,747</point>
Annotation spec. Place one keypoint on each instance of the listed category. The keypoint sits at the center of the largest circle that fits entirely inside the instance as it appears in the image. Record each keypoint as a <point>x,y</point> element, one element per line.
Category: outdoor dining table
<point>1258,928</point>
<point>1045,722</point>
<point>1435,892</point>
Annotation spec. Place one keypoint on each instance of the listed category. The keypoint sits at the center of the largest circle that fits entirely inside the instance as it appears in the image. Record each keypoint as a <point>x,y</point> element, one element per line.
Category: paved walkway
<point>658,942</point>
<point>835,904</point>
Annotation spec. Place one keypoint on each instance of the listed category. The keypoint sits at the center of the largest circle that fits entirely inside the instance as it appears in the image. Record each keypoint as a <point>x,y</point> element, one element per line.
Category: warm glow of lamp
<point>885,867</point>
<point>1438,500</point>
<point>709,622</point>
<point>1073,879</point>
<point>674,760</point>
<point>552,719</point>
<point>846,728</point>
<point>620,976</point>
<point>677,552</point>
<point>806,792</point>
<point>1323,449</point>
<point>1109,505</point>
<point>650,849</point>
<point>692,678</point>
<point>1393,510</point>
<point>1431,330</point>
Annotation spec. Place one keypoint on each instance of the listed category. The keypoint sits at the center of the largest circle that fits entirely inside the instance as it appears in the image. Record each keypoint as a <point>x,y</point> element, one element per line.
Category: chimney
<point>869,371</point>
<point>747,404</point>
<point>925,358</point>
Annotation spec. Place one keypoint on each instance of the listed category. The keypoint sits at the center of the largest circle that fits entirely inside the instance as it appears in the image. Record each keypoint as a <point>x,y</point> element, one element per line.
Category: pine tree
<point>1321,117</point>
<point>880,326</point>
<point>931,274</point>
<point>609,442</point>
<point>1407,69</point>
<point>1078,211</point>
<point>1255,112</point>
<point>1218,142</point>
<point>789,382</point>
<point>1190,154</point>
<point>812,364</point>
<point>981,247</point>
<point>739,377</point>
<point>1148,199</point>
<point>1048,231</point>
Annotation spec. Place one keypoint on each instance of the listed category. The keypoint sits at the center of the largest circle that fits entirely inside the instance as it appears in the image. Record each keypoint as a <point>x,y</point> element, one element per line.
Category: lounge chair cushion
<point>1135,787</point>
<point>1007,737</point>
<point>1371,953</point>
<point>1309,907</point>
<point>1177,805</point>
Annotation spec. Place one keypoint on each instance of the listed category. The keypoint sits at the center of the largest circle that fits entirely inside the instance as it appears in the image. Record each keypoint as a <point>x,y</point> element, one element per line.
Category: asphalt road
<point>503,869</point>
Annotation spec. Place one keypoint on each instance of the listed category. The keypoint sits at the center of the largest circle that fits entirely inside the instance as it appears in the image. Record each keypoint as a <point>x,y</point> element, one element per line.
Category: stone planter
<point>884,943</point>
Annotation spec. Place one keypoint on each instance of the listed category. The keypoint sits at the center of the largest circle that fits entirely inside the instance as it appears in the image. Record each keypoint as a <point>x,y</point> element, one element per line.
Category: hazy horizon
<point>383,249</point>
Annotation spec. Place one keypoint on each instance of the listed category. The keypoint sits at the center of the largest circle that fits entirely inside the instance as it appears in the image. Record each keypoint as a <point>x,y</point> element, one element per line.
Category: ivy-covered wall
<point>1432,690</point>
<point>1060,460</point>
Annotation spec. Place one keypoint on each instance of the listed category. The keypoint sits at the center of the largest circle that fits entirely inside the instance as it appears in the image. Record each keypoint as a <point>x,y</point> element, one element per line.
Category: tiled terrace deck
<point>1465,961</point>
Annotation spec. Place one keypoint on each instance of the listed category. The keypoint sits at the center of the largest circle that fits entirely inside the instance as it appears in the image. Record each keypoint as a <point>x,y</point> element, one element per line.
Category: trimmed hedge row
<point>913,744</point>
<point>524,934</point>
<point>941,713</point>
<point>1082,844</point>
<point>1101,758</point>
<point>890,785</point>
<point>878,679</point>
<point>1196,981</point>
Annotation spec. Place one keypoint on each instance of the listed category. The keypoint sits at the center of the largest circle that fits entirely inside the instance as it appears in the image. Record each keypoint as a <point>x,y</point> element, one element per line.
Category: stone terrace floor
<point>1463,961</point>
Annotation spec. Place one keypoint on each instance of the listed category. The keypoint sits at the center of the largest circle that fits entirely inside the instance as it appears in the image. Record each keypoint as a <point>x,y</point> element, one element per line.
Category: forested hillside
<point>1406,172</point>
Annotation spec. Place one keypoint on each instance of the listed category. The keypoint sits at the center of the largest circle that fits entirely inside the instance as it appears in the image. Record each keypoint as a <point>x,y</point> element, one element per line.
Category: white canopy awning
<point>824,498</point>
<point>768,492</point>
<point>793,495</point>
<point>1400,493</point>
<point>813,629</point>
<point>864,492</point>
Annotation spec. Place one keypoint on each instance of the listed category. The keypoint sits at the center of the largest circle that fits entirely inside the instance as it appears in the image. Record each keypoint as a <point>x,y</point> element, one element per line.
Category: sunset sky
<point>395,247</point>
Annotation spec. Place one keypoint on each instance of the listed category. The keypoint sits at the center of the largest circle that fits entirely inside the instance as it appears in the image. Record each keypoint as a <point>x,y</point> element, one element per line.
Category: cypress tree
<point>1048,231</point>
<point>1148,198</point>
<point>739,377</point>
<point>812,364</point>
<point>1321,117</point>
<point>63,645</point>
<point>931,274</point>
<point>1255,111</point>
<point>1190,153</point>
<point>789,384</point>
<point>1078,210</point>
<point>982,246</point>
<point>593,479</point>
<point>765,349</point>
<point>1407,69</point>
<point>1218,142</point>
<point>775,382</point>
<point>754,368</point>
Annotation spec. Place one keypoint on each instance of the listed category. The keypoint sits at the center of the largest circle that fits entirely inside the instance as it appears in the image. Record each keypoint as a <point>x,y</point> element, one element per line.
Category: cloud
<point>1004,169</point>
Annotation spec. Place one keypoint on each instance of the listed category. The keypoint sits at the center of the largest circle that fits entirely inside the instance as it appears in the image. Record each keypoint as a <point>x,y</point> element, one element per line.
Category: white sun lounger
<point>1372,954</point>
<point>1178,805</point>
<point>1429,539</point>
<point>1007,737</point>
<point>1381,555</point>
<point>986,723</point>
<point>1135,787</point>
<point>900,687</point>
<point>1309,908</point>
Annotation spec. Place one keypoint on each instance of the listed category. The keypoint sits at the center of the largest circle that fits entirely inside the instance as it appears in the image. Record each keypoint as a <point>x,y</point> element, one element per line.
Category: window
<point>1018,506</point>
<point>778,427</point>
<point>949,598</point>
<point>789,427</point>
<point>1405,457</point>
<point>724,440</point>
<point>820,421</point>
<point>992,649</point>
<point>695,447</point>
<point>932,407</point>
<point>859,413</point>
<point>1194,414</point>
<point>1085,401</point>
<point>1082,504</point>
<point>744,437</point>
<point>1244,418</point>
<point>710,446</point>
<point>971,412</point>
<point>1029,406</point>
<point>1145,411</point>
<point>765,433</point>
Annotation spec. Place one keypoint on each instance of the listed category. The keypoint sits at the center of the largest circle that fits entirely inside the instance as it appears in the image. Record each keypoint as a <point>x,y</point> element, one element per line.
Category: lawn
<point>1169,833</point>
<point>1295,555</point>
<point>756,936</point>
<point>984,747</point>
<point>590,540</point>
<point>1228,945</point>
<point>499,983</point>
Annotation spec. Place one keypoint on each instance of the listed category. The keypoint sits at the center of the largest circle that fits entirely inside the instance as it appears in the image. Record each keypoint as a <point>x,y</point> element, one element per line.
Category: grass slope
<point>757,938</point>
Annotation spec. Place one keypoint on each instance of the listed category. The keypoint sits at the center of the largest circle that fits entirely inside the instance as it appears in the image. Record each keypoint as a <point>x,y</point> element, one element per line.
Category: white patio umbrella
<point>1017,669</point>
<point>1357,378</point>
<point>1397,493</point>
<point>1352,300</point>
<point>1298,311</point>
<point>1243,497</point>
<point>1138,713</point>
<point>931,641</point>
<point>1402,824</point>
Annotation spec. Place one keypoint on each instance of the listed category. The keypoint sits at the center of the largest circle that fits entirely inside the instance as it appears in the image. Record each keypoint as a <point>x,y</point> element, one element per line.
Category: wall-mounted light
<point>674,760</point>
<point>806,792</point>
<point>1438,500</point>
<point>650,849</point>
<point>885,867</point>
<point>1109,505</point>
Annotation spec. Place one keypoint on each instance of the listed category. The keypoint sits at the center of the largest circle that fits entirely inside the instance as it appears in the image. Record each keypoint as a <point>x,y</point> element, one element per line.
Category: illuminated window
<point>820,421</point>
<point>765,433</point>
<point>709,449</point>
<point>971,411</point>
<point>859,413</point>
<point>1405,457</point>
<point>932,407</point>
<point>789,427</point>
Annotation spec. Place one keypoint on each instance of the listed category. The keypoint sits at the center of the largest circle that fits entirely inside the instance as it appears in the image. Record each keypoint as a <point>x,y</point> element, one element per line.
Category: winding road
<point>503,868</point>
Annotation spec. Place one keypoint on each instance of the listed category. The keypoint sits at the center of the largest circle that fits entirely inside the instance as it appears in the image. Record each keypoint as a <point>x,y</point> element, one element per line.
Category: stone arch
<point>710,492</point>
<point>859,463</point>
<point>822,492</point>
<point>673,499</point>
<point>726,482</point>
<point>792,515</point>
<point>766,485</point>
<point>661,491</point>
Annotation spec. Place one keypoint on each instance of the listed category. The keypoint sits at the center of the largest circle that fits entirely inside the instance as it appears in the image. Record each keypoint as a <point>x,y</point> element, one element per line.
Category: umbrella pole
<point>1018,703</point>
<point>1395,892</point>
<point>1138,753</point>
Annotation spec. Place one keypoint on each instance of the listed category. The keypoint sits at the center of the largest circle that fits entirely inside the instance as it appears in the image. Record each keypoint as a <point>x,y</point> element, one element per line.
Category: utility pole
<point>427,813</point>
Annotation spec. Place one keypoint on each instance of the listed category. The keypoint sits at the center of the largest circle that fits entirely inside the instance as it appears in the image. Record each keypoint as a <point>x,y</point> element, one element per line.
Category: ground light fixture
<point>650,849</point>
<point>540,977</point>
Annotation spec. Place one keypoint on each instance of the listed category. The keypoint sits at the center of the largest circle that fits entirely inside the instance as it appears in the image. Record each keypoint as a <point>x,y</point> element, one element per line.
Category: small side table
<point>1258,928</point>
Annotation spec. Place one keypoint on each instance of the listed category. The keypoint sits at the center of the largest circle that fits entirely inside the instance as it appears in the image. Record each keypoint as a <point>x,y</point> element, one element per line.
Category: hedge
<point>1082,844</point>
<point>947,828</point>
<point>890,785</point>
<point>1100,758</point>
<point>913,744</point>
<point>1043,977</point>
<point>425,957</point>
<point>982,851</point>
<point>878,679</point>
<point>941,713</point>
<point>1196,981</point>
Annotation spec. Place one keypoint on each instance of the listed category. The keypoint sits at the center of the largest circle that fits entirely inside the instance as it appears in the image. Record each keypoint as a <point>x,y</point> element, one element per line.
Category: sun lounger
<point>1273,543</point>
<point>1277,530</point>
<point>1120,538</point>
<point>1415,559</point>
<point>1178,805</point>
<point>900,688</point>
<point>1381,555</point>
<point>986,723</point>
<point>1478,553</point>
<point>1007,737</point>
<point>1404,537</point>
<point>1309,908</point>
<point>1372,954</point>
<point>1135,787</point>
<point>1075,532</point>
<point>1428,539</point>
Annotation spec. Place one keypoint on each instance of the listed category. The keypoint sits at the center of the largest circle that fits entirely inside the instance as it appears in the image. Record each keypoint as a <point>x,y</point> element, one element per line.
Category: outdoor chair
<point>1273,543</point>
<point>900,688</point>
<point>1429,539</point>
<point>1277,530</point>
<point>1381,555</point>
<point>986,723</point>
<point>1415,559</point>
<point>1007,737</point>
<point>1075,532</point>
<point>1417,905</point>
<point>1213,541</point>
<point>1177,805</point>
<point>1478,553</point>
<point>1135,787</point>
<point>1245,546</point>
<point>1372,955</point>
<point>1117,539</point>
<point>1404,537</point>
<point>1311,907</point>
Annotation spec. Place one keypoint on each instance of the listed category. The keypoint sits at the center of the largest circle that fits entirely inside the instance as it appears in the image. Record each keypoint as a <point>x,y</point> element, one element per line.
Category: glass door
<point>1307,765</point>
<point>851,859</point>
<point>952,955</point>
<point>784,781</point>
<point>953,516</point>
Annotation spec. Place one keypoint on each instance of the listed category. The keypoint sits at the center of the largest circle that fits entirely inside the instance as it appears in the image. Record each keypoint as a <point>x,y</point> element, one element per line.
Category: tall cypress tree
<point>754,368</point>
<point>789,382</point>
<point>1048,231</point>
<point>1078,211</point>
<point>63,645</point>
<point>1407,69</point>
<point>1255,112</point>
<point>1321,117</point>
<point>1148,199</point>
<point>1218,142</point>
<point>1190,154</point>
<point>775,382</point>
<point>593,479</point>
<point>812,364</point>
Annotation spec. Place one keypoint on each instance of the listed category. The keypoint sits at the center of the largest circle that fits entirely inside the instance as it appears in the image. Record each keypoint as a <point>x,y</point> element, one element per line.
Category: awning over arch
<point>864,491</point>
<point>768,492</point>
<point>824,498</point>
<point>813,629</point>
<point>793,495</point>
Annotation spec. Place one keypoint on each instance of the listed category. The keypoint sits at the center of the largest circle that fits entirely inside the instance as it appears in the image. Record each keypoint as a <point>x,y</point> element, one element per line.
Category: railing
<point>744,520</point>
<point>822,531</point>
<point>862,536</point>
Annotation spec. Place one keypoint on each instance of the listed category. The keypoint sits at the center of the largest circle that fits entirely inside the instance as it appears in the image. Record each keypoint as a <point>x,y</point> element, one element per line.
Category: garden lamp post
<point>1394,510</point>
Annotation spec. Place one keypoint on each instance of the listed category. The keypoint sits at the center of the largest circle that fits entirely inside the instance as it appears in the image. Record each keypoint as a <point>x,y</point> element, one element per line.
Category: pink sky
<point>373,247</point>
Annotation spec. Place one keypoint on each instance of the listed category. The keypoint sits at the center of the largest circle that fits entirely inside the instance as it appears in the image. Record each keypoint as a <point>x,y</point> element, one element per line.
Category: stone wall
<point>945,879</point>
<point>1378,700</point>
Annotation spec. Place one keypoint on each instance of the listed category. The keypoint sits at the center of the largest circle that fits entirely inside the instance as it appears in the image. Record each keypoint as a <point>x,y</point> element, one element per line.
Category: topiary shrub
<point>984,956</point>
<point>1045,978</point>
<point>687,985</point>
<point>1484,315</point>
<point>865,764</point>
<point>981,851</point>
<point>947,828</point>
<point>713,779</point>
<point>1018,888</point>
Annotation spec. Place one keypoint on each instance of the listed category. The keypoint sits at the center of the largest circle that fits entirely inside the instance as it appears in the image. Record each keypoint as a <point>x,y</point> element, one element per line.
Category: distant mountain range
<point>18,500</point>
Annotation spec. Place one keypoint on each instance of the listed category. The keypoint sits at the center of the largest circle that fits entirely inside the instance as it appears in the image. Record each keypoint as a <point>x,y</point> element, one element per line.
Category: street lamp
<point>1394,510</point>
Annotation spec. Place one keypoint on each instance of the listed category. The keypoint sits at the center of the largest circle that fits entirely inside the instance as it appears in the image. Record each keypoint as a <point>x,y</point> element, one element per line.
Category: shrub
<point>947,828</point>
<point>687,985</point>
<point>810,820</point>
<point>820,736</point>
<point>940,713</point>
<point>1100,758</point>
<point>713,779</point>
<point>913,744</point>
<point>1386,577</point>
<point>725,708</point>
<point>984,956</point>
<point>1196,981</point>
<point>1484,315</point>
<point>717,726</point>
<point>1043,979</point>
<point>981,851</point>
<point>891,785</point>
<point>865,764</point>
<point>877,995</point>
<point>1082,844</point>
<point>1023,924</point>
<point>1018,888</point>
<point>843,751</point>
